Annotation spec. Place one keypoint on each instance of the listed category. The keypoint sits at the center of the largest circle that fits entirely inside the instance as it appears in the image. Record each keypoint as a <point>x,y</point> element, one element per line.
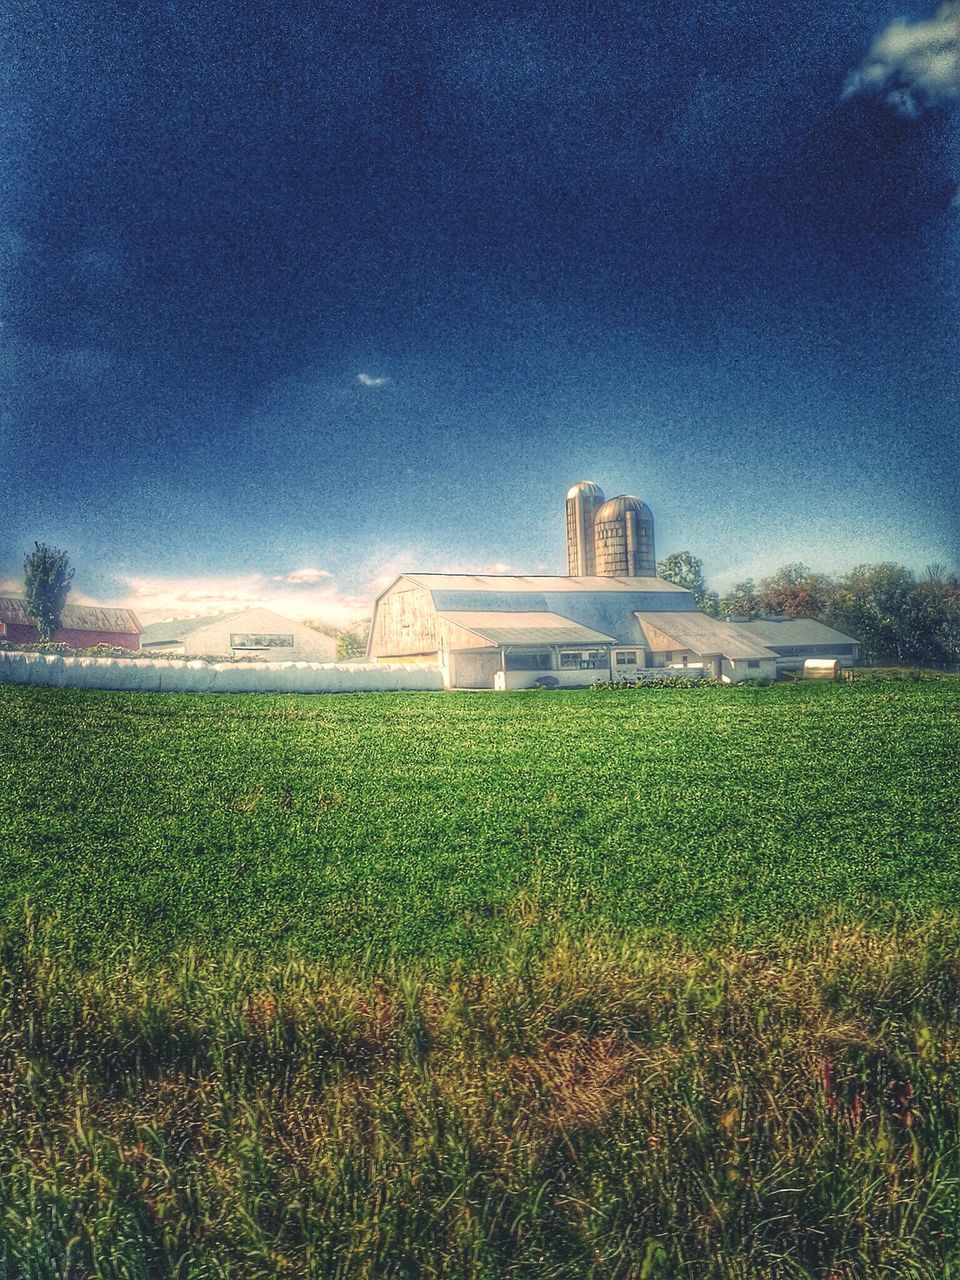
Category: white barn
<point>511,631</point>
<point>249,633</point>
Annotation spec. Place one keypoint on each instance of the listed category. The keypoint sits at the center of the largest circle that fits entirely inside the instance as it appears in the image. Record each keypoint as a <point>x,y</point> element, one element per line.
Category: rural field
<point>618,984</point>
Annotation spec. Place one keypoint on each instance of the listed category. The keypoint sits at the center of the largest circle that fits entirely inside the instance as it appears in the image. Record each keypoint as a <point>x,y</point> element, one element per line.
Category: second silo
<point>624,539</point>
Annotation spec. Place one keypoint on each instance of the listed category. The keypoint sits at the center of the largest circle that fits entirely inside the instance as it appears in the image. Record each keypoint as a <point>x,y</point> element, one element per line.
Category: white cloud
<point>913,66</point>
<point>305,577</point>
<point>154,599</point>
<point>368,380</point>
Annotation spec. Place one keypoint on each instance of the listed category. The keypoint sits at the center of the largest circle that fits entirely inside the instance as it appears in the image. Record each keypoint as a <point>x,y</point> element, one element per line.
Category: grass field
<point>437,826</point>
<point>653,985</point>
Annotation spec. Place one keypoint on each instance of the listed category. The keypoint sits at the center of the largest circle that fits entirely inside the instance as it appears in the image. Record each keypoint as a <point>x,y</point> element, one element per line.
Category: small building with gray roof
<point>249,633</point>
<point>794,640</point>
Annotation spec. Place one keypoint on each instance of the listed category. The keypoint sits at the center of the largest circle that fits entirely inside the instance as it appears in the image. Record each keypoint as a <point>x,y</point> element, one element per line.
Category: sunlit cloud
<point>369,380</point>
<point>912,66</point>
<point>305,577</point>
<point>155,599</point>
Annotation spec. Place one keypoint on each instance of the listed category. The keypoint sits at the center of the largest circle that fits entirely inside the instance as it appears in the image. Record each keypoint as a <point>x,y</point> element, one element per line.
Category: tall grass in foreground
<point>603,1109</point>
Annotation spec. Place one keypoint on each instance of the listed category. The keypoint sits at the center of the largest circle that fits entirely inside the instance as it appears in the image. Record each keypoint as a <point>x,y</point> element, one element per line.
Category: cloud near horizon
<point>368,380</point>
<point>315,596</point>
<point>912,66</point>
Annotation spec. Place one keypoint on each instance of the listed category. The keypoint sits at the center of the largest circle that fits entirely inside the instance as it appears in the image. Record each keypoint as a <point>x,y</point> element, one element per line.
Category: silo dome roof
<point>614,508</point>
<point>587,488</point>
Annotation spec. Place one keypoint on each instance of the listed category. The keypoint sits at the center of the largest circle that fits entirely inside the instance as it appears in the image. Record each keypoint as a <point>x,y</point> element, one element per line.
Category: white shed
<point>250,633</point>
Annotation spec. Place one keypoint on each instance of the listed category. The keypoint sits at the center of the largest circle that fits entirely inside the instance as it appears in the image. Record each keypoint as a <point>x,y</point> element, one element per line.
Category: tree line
<point>896,615</point>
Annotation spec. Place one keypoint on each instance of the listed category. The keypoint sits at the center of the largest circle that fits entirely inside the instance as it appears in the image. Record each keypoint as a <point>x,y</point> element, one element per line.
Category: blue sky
<point>298,296</point>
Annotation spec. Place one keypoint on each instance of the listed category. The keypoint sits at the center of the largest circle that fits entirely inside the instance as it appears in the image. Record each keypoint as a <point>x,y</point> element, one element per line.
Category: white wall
<point>177,676</point>
<point>735,672</point>
<point>568,679</point>
<point>308,645</point>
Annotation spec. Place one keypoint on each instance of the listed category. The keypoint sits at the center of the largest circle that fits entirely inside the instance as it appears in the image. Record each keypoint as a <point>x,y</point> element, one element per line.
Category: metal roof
<point>705,635</point>
<point>176,629</point>
<point>513,627</point>
<point>75,617</point>
<point>500,582</point>
<point>793,632</point>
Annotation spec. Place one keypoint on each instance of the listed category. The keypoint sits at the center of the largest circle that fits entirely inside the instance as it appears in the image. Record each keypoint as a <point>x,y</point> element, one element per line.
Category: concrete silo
<point>583,501</point>
<point>624,539</point>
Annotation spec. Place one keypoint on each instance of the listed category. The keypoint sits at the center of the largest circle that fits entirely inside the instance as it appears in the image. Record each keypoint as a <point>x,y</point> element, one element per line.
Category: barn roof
<point>794,632</point>
<point>174,630</point>
<point>524,628</point>
<point>499,582</point>
<point>705,635</point>
<point>75,617</point>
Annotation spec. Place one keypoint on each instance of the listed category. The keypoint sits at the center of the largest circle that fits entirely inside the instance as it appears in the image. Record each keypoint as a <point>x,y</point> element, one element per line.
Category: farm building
<point>250,633</point>
<point>692,639</point>
<point>506,631</point>
<point>510,631</point>
<point>81,626</point>
<point>794,640</point>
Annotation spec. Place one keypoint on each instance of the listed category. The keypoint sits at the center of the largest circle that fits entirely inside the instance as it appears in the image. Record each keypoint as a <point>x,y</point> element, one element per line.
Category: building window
<point>753,662</point>
<point>515,660</point>
<point>578,660</point>
<point>685,659</point>
<point>241,640</point>
<point>627,658</point>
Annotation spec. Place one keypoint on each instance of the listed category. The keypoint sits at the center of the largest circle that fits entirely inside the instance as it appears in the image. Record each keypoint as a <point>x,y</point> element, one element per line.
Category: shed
<point>254,633</point>
<point>794,640</point>
<point>82,626</point>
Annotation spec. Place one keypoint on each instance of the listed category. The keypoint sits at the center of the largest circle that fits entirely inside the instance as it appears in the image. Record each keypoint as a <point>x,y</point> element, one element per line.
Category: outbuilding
<point>794,640</point>
<point>82,626</point>
<point>249,633</point>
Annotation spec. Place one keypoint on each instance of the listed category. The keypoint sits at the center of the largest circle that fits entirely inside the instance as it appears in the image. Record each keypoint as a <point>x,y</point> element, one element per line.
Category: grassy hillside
<point>442,826</point>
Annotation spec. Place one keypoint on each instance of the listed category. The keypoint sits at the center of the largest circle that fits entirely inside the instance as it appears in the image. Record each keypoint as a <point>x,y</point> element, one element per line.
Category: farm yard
<point>605,983</point>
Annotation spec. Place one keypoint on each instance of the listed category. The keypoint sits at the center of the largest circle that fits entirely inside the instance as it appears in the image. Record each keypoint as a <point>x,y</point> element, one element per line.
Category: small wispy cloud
<point>369,380</point>
<point>912,66</point>
<point>303,577</point>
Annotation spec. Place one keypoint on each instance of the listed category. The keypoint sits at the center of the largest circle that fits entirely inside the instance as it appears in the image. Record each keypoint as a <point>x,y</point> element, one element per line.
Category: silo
<point>624,539</point>
<point>582,503</point>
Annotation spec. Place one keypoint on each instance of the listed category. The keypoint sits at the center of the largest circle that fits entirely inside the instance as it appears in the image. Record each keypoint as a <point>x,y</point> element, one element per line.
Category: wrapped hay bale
<point>821,669</point>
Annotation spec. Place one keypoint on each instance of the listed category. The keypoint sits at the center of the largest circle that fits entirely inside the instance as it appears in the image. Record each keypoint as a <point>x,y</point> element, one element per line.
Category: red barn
<point>81,625</point>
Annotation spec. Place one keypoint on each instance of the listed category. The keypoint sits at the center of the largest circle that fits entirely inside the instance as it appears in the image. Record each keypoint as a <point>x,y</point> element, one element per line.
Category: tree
<point>880,605</point>
<point>684,569</point>
<point>740,601</point>
<point>795,592</point>
<point>351,641</point>
<point>47,576</point>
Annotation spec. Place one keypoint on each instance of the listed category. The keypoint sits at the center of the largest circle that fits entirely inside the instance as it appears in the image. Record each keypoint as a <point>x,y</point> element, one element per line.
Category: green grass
<point>440,827</point>
<point>651,985</point>
<point>588,1113</point>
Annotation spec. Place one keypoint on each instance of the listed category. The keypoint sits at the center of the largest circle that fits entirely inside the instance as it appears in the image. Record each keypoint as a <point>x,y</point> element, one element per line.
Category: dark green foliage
<point>46,585</point>
<point>686,570</point>
<point>895,617</point>
<point>432,825</point>
<point>351,641</point>
<point>601,1110</point>
<point>740,601</point>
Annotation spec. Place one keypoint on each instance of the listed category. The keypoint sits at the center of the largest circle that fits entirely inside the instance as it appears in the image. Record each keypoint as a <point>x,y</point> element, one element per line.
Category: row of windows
<point>589,661</point>
<point>243,640</point>
<point>813,650</point>
<point>570,660</point>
